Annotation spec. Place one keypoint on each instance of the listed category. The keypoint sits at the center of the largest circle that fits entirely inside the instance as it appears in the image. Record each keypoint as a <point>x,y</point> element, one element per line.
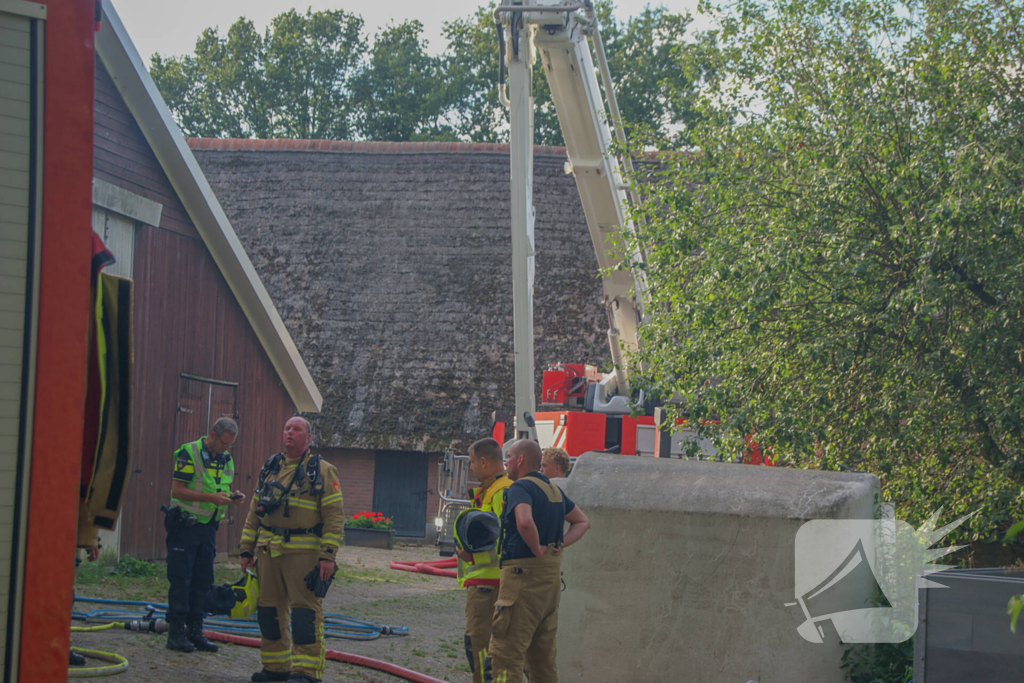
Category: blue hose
<point>335,625</point>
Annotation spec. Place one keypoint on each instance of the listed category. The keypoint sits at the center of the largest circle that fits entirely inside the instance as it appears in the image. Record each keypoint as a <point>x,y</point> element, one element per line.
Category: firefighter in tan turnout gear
<point>479,571</point>
<point>292,533</point>
<point>526,613</point>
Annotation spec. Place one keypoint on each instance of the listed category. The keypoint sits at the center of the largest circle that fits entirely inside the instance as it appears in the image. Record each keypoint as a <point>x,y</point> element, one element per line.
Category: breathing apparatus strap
<point>316,481</point>
<point>271,466</point>
<point>317,530</point>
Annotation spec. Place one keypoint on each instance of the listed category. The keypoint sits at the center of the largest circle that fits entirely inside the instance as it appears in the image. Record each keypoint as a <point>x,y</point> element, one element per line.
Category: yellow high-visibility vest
<point>485,568</point>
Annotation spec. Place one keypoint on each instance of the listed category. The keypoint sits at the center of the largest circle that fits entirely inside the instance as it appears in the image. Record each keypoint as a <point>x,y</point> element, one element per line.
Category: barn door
<point>201,402</point>
<point>400,490</point>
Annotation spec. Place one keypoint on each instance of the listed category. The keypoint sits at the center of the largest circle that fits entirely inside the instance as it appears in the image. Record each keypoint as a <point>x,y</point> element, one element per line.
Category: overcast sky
<point>171,28</point>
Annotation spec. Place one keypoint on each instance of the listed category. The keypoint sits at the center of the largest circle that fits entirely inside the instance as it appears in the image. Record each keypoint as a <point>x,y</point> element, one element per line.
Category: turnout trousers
<point>291,618</point>
<point>190,554</point>
<point>525,621</point>
<point>479,612</point>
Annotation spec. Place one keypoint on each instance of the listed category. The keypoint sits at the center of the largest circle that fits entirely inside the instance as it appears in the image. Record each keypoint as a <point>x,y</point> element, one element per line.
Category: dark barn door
<point>400,490</point>
<point>201,402</point>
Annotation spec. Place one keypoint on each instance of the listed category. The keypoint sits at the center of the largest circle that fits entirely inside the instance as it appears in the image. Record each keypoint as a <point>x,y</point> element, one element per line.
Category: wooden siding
<point>122,156</point>
<point>186,321</point>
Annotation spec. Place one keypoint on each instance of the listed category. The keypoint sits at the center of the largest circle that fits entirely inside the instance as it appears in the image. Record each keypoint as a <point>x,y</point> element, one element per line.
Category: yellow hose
<point>101,627</point>
<point>119,663</point>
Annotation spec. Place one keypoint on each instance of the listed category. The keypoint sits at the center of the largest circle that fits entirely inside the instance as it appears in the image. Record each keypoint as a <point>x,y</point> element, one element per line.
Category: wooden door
<point>400,490</point>
<point>201,402</point>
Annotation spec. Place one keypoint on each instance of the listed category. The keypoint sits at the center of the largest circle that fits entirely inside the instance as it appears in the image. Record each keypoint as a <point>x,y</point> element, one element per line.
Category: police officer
<point>201,490</point>
<point>479,572</point>
<point>293,530</point>
<point>526,613</point>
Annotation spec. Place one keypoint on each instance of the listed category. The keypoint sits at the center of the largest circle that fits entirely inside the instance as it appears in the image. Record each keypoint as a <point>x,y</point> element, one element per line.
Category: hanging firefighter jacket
<point>106,444</point>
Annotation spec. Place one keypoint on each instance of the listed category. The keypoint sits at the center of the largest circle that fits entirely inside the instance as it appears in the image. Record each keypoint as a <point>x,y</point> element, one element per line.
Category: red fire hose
<point>334,655</point>
<point>435,567</point>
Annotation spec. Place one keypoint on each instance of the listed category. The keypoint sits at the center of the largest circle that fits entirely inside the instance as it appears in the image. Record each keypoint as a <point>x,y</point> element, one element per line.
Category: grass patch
<point>129,578</point>
<point>126,578</point>
<point>350,573</point>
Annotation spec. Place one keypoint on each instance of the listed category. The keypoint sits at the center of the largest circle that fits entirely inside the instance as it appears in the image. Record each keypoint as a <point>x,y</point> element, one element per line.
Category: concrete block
<point>687,567</point>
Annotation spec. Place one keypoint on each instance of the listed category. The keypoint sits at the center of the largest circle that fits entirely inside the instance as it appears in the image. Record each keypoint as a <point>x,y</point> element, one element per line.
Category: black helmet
<point>476,531</point>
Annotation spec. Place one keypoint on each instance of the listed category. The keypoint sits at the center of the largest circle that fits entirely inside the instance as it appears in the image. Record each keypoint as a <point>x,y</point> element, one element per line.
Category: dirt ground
<point>365,588</point>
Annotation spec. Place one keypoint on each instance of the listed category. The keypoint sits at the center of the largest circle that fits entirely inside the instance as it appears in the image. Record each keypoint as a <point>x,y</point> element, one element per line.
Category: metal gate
<point>453,488</point>
<point>201,402</point>
<point>400,490</point>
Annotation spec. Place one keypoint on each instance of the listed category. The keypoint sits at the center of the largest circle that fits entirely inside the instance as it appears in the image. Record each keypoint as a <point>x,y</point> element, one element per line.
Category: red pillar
<point>62,346</point>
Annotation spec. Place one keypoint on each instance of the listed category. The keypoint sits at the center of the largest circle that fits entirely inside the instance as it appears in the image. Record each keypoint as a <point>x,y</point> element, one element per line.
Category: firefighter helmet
<point>476,530</point>
<point>247,596</point>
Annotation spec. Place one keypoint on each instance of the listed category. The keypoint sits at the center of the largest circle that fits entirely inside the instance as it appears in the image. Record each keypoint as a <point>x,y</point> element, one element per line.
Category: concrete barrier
<point>684,574</point>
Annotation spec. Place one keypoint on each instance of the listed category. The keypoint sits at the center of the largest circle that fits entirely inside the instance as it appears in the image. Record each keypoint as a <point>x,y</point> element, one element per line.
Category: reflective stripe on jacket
<point>485,569</point>
<point>203,481</point>
<point>304,508</point>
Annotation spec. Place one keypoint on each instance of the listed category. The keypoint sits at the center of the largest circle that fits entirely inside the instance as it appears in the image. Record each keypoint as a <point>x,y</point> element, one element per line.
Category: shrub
<point>880,662</point>
<point>128,566</point>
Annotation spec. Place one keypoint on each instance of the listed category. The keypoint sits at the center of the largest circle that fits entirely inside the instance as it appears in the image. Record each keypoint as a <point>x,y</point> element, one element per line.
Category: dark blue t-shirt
<point>549,517</point>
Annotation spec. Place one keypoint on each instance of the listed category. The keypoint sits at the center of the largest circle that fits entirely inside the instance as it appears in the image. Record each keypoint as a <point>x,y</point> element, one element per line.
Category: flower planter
<point>370,538</point>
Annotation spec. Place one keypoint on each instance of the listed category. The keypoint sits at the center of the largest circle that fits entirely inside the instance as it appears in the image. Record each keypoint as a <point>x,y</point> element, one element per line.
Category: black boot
<point>76,659</point>
<point>265,675</point>
<point>302,678</point>
<point>196,637</point>
<point>176,638</point>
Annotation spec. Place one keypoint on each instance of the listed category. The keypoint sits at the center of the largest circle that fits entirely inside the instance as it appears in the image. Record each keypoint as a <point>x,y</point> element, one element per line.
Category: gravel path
<point>366,588</point>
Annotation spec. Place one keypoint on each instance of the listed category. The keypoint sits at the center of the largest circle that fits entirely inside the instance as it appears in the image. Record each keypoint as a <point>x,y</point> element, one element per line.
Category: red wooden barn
<point>208,340</point>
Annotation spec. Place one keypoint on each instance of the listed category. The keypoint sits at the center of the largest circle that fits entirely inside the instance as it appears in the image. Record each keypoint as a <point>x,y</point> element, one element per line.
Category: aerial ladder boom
<point>561,35</point>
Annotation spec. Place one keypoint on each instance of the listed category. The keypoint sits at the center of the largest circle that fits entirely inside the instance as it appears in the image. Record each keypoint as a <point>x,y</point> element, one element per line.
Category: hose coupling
<point>147,626</point>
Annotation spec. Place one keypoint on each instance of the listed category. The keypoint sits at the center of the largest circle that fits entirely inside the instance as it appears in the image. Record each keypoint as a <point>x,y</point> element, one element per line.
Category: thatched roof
<point>391,268</point>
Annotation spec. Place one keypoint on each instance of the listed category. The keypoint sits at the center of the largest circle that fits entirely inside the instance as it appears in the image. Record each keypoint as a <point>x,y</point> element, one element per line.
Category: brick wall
<point>355,467</point>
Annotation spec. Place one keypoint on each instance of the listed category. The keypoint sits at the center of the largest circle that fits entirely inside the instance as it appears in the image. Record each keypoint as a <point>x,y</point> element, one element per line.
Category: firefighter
<point>200,495</point>
<point>555,463</point>
<point>478,571</point>
<point>525,619</point>
<point>292,533</point>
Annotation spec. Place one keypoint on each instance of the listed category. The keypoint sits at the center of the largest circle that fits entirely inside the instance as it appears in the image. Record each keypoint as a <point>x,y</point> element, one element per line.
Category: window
<point>118,233</point>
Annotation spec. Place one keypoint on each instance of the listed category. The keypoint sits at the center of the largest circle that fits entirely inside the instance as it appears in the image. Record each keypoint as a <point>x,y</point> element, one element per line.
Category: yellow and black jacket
<point>308,520</point>
<point>485,569</point>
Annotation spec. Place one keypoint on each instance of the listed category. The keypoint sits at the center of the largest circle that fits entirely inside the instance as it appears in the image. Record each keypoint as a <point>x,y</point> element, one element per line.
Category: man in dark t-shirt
<point>526,613</point>
<point>548,517</point>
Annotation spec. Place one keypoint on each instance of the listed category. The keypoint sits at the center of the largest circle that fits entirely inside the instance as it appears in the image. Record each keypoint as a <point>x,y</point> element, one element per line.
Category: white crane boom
<point>562,34</point>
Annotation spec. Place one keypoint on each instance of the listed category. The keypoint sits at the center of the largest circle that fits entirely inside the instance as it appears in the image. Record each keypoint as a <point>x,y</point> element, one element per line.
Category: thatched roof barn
<point>390,264</point>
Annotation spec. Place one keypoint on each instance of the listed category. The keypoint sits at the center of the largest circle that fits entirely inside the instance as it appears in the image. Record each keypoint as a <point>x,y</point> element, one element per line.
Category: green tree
<point>310,60</point>
<point>841,273</point>
<point>472,61</point>
<point>401,93</point>
<point>292,81</point>
<point>656,72</point>
<point>218,91</point>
